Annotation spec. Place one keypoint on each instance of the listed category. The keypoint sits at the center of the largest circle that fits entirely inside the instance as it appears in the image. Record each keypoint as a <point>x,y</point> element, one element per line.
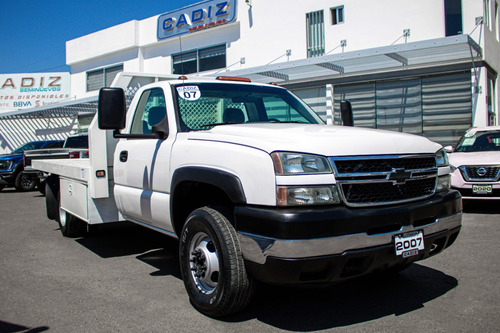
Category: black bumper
<point>348,265</point>
<point>324,223</point>
<point>317,222</point>
<point>8,177</point>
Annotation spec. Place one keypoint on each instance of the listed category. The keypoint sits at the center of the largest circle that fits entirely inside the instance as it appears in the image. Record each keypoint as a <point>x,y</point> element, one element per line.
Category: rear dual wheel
<point>212,265</point>
<point>70,225</point>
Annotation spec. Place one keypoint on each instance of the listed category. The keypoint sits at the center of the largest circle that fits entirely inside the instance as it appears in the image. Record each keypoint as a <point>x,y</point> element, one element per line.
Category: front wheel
<point>212,266</point>
<point>24,182</point>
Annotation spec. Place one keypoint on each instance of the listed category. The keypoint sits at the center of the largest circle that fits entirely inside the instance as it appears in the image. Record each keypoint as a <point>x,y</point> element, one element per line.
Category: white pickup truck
<point>256,187</point>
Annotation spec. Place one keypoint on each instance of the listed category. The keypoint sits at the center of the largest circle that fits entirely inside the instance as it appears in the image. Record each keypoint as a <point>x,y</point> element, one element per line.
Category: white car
<point>475,163</point>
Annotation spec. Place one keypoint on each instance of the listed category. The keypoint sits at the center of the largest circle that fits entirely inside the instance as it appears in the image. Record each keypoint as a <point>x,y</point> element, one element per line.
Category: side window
<point>150,111</point>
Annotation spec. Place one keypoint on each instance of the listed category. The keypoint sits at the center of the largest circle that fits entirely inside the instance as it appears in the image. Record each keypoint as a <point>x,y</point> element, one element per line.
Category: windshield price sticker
<point>190,93</point>
<point>409,244</point>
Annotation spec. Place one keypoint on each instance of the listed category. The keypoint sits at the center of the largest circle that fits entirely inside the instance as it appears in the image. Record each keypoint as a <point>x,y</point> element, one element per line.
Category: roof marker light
<point>233,78</point>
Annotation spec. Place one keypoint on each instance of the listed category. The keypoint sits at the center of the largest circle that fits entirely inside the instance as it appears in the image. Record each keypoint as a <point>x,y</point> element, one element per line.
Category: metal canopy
<point>70,108</point>
<point>440,51</point>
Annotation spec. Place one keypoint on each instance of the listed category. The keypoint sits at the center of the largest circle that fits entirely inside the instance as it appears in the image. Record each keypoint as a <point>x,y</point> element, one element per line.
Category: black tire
<point>70,225</point>
<point>24,182</point>
<point>2,186</point>
<point>212,266</point>
<point>52,198</point>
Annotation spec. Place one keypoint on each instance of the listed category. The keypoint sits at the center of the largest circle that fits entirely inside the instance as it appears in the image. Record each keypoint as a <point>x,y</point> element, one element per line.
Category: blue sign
<point>203,15</point>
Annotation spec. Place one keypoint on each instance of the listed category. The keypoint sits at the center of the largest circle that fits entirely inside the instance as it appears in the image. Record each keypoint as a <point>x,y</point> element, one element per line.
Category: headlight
<point>307,195</point>
<point>443,183</point>
<point>6,165</point>
<point>295,163</point>
<point>442,158</point>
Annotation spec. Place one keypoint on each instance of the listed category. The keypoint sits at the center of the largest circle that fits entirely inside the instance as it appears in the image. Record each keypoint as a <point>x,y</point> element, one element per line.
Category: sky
<point>33,34</point>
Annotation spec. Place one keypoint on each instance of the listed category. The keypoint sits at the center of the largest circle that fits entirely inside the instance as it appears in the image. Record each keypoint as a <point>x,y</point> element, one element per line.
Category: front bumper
<point>8,177</point>
<point>468,194</point>
<point>326,245</point>
<point>465,187</point>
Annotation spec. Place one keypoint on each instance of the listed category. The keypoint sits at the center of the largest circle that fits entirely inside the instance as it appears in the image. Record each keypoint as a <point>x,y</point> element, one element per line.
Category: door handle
<point>123,156</point>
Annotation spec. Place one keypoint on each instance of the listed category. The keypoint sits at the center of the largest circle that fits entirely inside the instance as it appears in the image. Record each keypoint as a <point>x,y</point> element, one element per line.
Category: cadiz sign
<point>203,15</point>
<point>29,90</point>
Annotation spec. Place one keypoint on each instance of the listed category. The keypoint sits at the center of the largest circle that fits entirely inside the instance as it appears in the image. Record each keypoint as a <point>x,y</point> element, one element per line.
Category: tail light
<point>74,154</point>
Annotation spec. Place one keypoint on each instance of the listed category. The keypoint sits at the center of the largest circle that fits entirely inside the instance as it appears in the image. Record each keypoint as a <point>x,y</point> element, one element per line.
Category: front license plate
<point>409,244</point>
<point>482,189</point>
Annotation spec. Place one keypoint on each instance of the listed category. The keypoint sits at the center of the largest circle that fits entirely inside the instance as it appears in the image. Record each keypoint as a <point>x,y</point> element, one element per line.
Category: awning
<point>63,109</point>
<point>435,52</point>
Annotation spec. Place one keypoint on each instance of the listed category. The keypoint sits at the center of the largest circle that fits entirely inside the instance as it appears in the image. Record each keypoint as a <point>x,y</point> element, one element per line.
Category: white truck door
<point>141,166</point>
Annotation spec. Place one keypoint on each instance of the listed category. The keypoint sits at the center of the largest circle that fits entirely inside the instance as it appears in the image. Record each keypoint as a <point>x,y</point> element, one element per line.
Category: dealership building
<point>428,67</point>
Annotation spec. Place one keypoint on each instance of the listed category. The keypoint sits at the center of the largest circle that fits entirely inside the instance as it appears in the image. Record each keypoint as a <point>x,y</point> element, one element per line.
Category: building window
<point>337,15</point>
<point>199,60</point>
<point>315,25</point>
<point>102,77</point>
<point>453,17</point>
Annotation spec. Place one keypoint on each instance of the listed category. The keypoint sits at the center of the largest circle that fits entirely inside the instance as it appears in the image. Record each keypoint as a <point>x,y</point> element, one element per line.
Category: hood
<point>10,156</point>
<point>323,140</point>
<point>475,158</point>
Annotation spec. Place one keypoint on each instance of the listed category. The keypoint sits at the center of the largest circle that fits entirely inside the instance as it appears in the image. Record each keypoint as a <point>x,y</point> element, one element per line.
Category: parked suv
<point>475,162</point>
<point>11,166</point>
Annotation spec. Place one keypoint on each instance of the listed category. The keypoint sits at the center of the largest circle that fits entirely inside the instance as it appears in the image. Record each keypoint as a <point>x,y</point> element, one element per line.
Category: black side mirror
<point>111,112</point>
<point>346,113</point>
<point>160,130</point>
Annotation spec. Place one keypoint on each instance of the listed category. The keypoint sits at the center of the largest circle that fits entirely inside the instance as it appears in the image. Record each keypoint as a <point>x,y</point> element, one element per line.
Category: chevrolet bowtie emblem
<point>399,176</point>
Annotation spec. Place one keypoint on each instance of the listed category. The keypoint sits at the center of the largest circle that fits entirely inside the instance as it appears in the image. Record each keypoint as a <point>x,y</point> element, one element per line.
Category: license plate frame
<point>482,189</point>
<point>409,244</point>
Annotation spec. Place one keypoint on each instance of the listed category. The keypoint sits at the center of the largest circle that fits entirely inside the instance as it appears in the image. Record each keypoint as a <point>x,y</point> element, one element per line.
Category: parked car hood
<point>10,156</point>
<point>475,158</point>
<point>318,139</point>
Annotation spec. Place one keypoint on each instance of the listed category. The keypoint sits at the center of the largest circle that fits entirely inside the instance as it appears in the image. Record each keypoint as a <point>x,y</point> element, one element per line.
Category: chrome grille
<point>481,173</point>
<point>381,180</point>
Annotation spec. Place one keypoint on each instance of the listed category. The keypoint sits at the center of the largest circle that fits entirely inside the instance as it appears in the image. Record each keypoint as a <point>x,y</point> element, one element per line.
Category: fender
<point>227,182</point>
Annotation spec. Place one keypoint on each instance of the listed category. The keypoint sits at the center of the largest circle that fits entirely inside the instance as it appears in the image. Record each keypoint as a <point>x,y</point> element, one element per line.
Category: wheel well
<point>190,195</point>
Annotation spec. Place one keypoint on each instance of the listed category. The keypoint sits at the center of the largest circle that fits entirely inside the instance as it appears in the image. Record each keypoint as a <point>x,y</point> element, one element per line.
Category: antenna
<point>182,59</point>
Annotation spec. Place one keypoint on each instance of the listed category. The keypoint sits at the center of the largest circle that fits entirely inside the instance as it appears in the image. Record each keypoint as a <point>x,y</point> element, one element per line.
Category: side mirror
<point>346,113</point>
<point>160,130</point>
<point>448,149</point>
<point>111,111</point>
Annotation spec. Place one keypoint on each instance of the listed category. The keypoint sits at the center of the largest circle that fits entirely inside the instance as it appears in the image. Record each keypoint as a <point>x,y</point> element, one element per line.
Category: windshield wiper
<point>217,124</point>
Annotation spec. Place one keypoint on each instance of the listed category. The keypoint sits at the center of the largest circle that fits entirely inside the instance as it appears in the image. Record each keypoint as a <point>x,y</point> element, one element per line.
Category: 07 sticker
<point>189,93</point>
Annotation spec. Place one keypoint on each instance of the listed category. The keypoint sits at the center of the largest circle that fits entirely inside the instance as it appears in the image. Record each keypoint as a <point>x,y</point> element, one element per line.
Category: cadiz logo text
<point>200,16</point>
<point>32,84</point>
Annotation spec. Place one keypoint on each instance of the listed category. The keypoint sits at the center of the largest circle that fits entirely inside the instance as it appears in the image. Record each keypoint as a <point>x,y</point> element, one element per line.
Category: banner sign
<point>203,15</point>
<point>25,91</point>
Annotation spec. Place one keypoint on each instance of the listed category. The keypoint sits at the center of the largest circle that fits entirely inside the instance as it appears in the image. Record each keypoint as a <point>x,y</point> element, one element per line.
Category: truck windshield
<point>202,106</point>
<point>479,141</point>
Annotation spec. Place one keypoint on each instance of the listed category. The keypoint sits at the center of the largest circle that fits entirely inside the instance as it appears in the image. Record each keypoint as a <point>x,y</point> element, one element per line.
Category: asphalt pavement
<point>124,278</point>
